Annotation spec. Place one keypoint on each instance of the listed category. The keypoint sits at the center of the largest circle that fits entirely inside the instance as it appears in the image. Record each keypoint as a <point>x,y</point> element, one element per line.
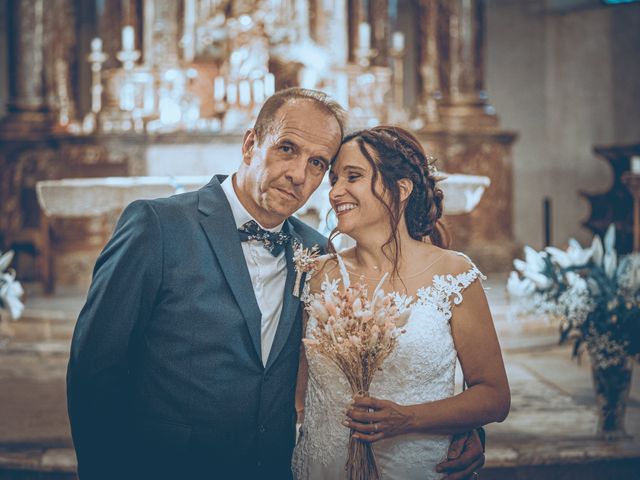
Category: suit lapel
<point>290,303</point>
<point>219,227</point>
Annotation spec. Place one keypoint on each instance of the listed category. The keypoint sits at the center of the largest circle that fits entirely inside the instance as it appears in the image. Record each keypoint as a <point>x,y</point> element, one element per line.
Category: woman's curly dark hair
<point>398,154</point>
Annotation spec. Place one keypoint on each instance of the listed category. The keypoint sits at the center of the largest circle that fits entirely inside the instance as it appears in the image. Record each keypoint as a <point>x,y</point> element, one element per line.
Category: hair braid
<point>425,205</point>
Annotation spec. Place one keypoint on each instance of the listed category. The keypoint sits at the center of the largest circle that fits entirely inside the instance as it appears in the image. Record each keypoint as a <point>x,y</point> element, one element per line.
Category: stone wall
<point>565,81</point>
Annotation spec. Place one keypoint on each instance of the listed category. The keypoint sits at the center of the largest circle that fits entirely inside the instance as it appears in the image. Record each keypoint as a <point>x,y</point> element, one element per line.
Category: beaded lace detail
<point>420,370</point>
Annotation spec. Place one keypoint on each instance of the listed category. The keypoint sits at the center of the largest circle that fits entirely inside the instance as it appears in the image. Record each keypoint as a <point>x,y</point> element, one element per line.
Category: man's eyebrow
<point>285,139</point>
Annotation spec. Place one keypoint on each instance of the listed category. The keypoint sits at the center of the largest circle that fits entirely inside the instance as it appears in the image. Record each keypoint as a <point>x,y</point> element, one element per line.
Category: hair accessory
<point>431,165</point>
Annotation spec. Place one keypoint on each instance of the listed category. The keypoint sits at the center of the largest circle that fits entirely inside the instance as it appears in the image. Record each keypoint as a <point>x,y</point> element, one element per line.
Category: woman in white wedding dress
<point>387,200</point>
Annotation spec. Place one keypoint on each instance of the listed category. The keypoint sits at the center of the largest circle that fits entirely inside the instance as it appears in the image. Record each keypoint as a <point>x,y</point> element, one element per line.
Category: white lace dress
<point>420,370</point>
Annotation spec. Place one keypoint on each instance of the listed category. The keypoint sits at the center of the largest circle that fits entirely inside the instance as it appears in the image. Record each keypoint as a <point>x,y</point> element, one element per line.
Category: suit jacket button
<point>261,429</point>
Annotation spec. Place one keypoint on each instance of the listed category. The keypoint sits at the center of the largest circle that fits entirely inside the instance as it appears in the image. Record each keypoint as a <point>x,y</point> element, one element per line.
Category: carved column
<point>429,60</point>
<point>357,13</point>
<point>379,19</point>
<point>329,28</point>
<point>462,130</point>
<point>59,46</point>
<point>161,33</point>
<point>42,58</point>
<point>27,102</point>
<point>464,101</point>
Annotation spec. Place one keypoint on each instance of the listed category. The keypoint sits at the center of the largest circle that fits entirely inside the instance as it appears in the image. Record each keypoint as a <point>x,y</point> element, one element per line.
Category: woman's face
<point>356,207</point>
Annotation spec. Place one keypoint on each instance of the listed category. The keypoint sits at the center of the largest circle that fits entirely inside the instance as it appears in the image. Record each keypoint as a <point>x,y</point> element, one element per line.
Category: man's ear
<point>248,144</point>
<point>406,187</point>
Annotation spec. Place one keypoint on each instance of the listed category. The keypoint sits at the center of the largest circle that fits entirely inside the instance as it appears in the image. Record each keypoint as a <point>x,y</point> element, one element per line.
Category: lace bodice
<point>420,370</point>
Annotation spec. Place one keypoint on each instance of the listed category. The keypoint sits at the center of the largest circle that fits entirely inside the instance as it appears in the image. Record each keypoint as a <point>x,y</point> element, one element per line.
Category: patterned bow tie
<point>272,241</point>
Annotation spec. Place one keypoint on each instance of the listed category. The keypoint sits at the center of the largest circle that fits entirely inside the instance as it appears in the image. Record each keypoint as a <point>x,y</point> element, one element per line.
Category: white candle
<point>269,84</point>
<point>96,45</point>
<point>398,41</point>
<point>245,92</point>
<point>364,36</point>
<point>127,38</point>
<point>232,93</point>
<point>127,97</point>
<point>635,164</point>
<point>342,89</point>
<point>258,90</point>
<point>218,89</point>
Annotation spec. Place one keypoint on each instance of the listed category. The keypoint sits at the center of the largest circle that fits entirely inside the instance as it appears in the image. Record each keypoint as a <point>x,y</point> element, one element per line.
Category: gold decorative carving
<point>379,18</point>
<point>487,232</point>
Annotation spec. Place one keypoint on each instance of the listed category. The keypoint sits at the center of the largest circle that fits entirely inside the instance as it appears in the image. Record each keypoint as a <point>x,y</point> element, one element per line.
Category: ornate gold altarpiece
<point>194,72</point>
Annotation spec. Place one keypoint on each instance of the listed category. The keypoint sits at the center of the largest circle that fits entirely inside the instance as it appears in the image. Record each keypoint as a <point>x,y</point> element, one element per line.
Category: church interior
<point>531,108</point>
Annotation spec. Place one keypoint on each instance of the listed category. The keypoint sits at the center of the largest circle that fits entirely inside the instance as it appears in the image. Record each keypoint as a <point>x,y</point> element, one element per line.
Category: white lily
<point>629,272</point>
<point>534,259</point>
<point>10,293</point>
<point>5,260</point>
<point>597,251</point>
<point>574,256</point>
<point>610,239</point>
<point>533,267</point>
<point>576,282</point>
<point>519,265</point>
<point>541,281</point>
<point>520,287</point>
<point>610,262</point>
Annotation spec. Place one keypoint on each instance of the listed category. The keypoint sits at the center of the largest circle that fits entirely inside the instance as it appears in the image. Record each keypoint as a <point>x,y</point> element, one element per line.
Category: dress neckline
<point>358,275</point>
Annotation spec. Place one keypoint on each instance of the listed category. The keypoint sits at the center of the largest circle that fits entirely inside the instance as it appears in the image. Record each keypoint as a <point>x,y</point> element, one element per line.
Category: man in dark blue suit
<point>184,358</point>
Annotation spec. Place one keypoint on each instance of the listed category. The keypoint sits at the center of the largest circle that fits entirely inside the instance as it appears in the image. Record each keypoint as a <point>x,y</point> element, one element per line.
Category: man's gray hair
<point>264,123</point>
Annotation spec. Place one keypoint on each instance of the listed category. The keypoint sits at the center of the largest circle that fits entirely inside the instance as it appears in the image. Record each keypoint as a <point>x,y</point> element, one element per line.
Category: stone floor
<point>549,434</point>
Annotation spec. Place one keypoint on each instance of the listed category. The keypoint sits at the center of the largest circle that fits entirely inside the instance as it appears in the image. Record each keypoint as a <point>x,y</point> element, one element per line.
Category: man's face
<point>283,171</point>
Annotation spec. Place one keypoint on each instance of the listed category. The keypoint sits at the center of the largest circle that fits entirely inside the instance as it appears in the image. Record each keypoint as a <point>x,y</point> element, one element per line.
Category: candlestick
<point>269,84</point>
<point>342,89</point>
<point>232,93</point>
<point>127,38</point>
<point>364,36</point>
<point>96,45</point>
<point>218,89</point>
<point>244,88</point>
<point>258,90</point>
<point>398,41</point>
<point>96,58</point>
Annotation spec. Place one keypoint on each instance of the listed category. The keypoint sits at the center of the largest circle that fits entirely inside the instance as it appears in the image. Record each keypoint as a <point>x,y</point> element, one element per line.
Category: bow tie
<point>272,241</point>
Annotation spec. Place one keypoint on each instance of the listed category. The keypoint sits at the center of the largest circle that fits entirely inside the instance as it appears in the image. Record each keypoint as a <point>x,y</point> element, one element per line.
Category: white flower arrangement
<point>10,288</point>
<point>594,292</point>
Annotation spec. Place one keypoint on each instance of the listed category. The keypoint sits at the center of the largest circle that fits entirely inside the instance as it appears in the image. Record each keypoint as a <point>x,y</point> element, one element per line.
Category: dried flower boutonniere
<point>305,260</point>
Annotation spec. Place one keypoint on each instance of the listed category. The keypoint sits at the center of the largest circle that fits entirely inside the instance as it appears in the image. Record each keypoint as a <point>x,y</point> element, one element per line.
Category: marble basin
<point>88,197</point>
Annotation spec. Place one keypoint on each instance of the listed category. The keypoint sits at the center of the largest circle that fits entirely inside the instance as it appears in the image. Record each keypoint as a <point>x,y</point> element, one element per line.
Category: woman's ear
<point>406,187</point>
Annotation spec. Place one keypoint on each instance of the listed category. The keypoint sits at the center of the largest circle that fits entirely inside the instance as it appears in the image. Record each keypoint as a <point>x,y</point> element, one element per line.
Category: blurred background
<point>532,108</point>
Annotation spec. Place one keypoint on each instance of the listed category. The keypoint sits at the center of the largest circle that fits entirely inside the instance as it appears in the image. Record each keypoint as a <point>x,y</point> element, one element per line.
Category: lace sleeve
<point>447,289</point>
<point>462,280</point>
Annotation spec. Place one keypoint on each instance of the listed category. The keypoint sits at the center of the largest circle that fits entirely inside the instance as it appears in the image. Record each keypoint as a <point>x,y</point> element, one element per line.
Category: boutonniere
<point>305,260</point>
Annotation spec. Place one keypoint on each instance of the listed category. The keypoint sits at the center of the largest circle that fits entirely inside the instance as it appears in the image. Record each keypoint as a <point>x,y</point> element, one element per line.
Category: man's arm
<point>465,456</point>
<point>125,282</point>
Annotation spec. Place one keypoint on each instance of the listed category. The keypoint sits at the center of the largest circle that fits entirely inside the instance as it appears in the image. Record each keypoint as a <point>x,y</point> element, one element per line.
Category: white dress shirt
<point>268,273</point>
